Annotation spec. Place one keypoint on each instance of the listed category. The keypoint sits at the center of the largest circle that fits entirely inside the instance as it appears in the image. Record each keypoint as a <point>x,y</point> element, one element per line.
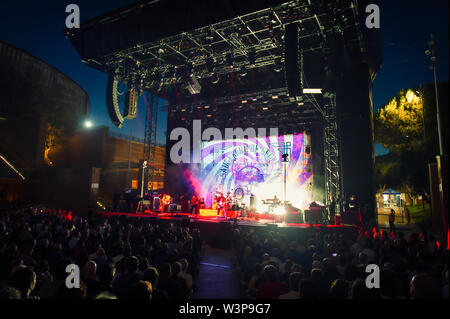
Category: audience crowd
<point>123,257</point>
<point>324,265</point>
<point>118,257</point>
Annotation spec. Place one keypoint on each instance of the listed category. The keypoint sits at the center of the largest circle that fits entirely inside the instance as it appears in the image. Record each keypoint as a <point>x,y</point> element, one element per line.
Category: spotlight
<point>252,58</point>
<point>190,69</point>
<point>215,78</point>
<point>280,210</point>
<point>278,66</point>
<point>285,157</point>
<point>210,65</point>
<point>88,124</point>
<point>229,58</point>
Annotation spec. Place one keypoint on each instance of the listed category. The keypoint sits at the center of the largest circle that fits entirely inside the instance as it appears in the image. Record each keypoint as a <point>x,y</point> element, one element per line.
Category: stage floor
<point>241,221</point>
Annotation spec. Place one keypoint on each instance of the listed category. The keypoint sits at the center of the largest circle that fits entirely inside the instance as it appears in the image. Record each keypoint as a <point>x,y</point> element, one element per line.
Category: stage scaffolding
<point>151,124</point>
<point>218,50</point>
<point>331,151</point>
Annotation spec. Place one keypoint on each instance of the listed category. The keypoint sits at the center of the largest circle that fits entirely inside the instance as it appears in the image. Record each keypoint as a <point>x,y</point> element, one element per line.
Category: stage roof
<point>234,48</point>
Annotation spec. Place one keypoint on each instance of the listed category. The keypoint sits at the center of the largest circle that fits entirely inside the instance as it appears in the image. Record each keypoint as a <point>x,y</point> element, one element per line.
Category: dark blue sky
<point>36,26</point>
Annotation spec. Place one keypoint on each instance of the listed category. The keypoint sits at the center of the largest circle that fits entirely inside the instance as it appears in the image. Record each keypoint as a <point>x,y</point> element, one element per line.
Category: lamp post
<point>432,51</point>
<point>442,161</point>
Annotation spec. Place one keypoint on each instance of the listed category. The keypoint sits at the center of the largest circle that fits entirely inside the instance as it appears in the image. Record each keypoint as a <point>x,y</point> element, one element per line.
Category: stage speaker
<point>156,202</point>
<point>292,61</point>
<point>112,103</point>
<point>131,101</point>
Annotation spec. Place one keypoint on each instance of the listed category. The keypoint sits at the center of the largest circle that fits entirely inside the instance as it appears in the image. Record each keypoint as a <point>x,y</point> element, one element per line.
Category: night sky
<point>37,27</point>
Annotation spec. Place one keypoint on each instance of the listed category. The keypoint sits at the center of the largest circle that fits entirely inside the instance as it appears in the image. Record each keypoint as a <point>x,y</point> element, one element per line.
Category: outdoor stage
<point>263,220</point>
<point>218,232</point>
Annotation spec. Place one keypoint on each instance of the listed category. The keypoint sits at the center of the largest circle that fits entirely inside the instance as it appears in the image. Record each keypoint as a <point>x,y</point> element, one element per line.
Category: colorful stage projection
<point>246,167</point>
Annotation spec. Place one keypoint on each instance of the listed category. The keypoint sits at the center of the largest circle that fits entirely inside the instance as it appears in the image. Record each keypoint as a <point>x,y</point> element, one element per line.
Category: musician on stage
<point>165,202</point>
<point>228,201</point>
<point>194,204</point>
<point>221,205</point>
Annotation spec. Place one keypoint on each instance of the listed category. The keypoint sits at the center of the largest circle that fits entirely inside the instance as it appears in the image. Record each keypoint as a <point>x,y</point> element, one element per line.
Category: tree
<point>407,127</point>
<point>399,125</point>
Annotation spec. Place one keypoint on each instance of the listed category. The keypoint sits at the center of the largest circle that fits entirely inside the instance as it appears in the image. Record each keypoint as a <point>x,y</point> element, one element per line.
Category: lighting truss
<point>333,180</point>
<point>162,62</point>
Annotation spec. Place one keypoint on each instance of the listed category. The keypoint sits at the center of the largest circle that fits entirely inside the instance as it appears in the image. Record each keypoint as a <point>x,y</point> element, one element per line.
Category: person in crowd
<point>339,289</point>
<point>294,280</point>
<point>122,257</point>
<point>307,289</point>
<point>271,287</point>
<point>151,275</point>
<point>23,279</point>
<point>391,220</point>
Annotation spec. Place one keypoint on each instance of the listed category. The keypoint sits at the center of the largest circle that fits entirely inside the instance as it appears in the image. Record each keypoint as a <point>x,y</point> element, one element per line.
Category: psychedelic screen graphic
<point>254,167</point>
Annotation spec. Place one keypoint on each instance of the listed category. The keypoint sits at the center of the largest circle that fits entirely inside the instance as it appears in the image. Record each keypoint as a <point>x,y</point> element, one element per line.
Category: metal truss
<point>333,180</point>
<point>151,120</point>
<point>258,34</point>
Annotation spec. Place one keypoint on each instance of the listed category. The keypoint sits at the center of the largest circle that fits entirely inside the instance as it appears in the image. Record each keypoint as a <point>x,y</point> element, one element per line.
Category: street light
<point>88,124</point>
<point>432,51</point>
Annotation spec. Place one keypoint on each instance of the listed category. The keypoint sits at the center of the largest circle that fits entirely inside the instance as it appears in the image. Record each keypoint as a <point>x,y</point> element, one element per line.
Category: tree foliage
<point>407,127</point>
<point>399,125</point>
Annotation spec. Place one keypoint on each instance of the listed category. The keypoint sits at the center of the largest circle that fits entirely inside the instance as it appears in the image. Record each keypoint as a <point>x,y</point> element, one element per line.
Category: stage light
<point>265,108</point>
<point>252,58</point>
<point>280,210</point>
<point>87,124</point>
<point>278,66</point>
<point>229,58</point>
<point>206,106</point>
<point>274,97</point>
<point>210,65</point>
<point>215,78</point>
<point>190,69</point>
<point>300,103</point>
<point>285,158</point>
<point>244,101</point>
<point>312,91</point>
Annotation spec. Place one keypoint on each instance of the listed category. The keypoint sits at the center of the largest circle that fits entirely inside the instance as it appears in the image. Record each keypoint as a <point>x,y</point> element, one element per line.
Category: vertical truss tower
<point>331,151</point>
<point>151,120</point>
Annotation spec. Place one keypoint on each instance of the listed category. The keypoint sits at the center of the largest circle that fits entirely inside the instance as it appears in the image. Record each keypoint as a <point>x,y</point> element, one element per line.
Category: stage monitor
<point>252,171</point>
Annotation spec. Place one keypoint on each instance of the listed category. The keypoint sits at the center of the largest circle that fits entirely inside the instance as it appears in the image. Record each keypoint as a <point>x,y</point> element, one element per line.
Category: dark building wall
<point>34,95</point>
<point>28,85</point>
<point>22,141</point>
<point>96,148</point>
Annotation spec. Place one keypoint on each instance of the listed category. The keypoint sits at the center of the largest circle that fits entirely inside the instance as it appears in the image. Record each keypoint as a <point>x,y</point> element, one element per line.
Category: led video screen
<point>254,168</point>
